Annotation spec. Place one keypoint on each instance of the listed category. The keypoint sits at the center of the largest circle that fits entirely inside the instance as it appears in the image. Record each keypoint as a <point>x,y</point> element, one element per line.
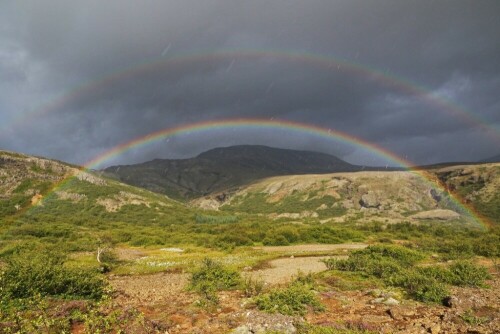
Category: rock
<point>435,329</point>
<point>173,250</point>
<point>451,301</point>
<point>437,196</point>
<point>242,330</point>
<point>87,177</point>
<point>390,301</point>
<point>438,214</point>
<point>369,200</point>
<point>395,313</point>
<point>379,300</point>
<point>322,207</point>
<point>375,319</point>
<point>375,293</point>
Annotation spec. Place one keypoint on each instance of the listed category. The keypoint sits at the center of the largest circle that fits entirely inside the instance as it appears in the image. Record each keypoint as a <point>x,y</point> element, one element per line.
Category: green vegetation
<point>211,277</point>
<point>48,251</point>
<point>295,203</point>
<point>471,319</point>
<point>44,272</point>
<point>292,300</point>
<point>489,208</point>
<point>397,266</point>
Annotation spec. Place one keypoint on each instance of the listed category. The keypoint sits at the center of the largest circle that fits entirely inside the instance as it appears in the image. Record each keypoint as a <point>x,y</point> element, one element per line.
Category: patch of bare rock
<point>438,214</point>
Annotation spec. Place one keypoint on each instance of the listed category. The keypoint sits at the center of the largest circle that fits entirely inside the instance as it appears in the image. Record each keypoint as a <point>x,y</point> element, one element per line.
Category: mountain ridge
<point>226,168</point>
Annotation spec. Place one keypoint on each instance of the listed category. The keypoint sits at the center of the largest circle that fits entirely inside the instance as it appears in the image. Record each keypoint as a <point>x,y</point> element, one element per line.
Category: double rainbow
<point>273,125</point>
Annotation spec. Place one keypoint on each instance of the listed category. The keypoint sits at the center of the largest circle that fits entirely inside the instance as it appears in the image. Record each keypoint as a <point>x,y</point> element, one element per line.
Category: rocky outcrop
<point>369,200</point>
<point>437,214</point>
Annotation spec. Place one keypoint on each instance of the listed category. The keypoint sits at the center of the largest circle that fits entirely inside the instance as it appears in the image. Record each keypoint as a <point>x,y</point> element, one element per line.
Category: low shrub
<point>419,286</point>
<point>402,255</point>
<point>252,287</point>
<point>465,273</point>
<point>292,300</point>
<point>45,274</point>
<point>212,275</point>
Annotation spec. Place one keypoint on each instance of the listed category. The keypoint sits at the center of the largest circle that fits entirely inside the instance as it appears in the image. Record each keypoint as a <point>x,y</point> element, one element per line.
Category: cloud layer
<point>75,80</point>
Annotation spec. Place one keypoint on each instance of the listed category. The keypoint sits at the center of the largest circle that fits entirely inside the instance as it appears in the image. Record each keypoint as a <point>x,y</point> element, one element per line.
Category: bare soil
<point>164,300</point>
<point>284,270</point>
<point>311,248</point>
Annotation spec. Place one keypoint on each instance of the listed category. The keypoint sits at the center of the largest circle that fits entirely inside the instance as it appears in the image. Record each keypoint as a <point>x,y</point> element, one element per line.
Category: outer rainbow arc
<point>328,62</point>
<point>271,124</point>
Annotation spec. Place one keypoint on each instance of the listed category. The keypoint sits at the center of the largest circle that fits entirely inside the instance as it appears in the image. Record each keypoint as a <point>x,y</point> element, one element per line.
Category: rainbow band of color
<point>323,61</point>
<point>272,125</point>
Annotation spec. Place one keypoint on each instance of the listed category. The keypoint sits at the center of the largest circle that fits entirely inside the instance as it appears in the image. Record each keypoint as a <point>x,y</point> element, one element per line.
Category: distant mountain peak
<point>224,168</point>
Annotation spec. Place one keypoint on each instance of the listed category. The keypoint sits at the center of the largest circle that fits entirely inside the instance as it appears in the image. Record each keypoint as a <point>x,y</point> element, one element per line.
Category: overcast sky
<point>71,84</point>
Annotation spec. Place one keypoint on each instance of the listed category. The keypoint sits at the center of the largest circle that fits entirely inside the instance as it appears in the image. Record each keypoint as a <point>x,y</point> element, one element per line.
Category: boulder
<point>438,214</point>
<point>369,200</point>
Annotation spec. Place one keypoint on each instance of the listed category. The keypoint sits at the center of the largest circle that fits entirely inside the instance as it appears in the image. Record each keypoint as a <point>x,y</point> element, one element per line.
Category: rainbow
<point>254,124</point>
<point>323,61</point>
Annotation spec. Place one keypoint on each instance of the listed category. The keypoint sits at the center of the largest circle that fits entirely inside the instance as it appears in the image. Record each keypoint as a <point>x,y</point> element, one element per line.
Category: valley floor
<point>171,308</point>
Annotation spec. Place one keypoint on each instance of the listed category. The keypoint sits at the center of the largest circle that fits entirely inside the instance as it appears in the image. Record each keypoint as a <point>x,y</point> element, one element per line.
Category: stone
<point>438,214</point>
<point>390,302</point>
<point>242,330</point>
<point>369,200</point>
<point>400,312</point>
<point>379,300</point>
<point>435,329</point>
<point>451,301</point>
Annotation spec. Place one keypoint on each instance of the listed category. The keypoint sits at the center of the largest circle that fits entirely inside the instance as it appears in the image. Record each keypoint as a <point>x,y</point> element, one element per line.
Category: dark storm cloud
<point>50,48</point>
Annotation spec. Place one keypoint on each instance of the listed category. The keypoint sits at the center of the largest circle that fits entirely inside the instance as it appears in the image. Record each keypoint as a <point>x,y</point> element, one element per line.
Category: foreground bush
<point>465,273</point>
<point>420,286</point>
<point>396,267</point>
<point>212,276</point>
<point>292,300</point>
<point>44,273</point>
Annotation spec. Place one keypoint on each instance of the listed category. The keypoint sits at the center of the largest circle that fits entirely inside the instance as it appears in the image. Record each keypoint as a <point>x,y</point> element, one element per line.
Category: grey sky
<point>48,49</point>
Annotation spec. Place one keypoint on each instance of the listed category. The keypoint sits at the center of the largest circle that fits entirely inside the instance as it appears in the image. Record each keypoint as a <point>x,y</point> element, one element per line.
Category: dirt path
<point>310,248</point>
<point>150,289</point>
<point>283,270</point>
<point>162,288</point>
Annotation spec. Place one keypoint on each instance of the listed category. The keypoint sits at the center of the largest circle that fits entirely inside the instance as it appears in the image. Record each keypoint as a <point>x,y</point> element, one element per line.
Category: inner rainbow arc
<point>329,134</point>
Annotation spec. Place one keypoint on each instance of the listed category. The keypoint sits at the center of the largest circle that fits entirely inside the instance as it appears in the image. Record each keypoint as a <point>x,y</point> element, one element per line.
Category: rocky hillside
<point>225,169</point>
<point>45,198</point>
<point>479,185</point>
<point>385,196</point>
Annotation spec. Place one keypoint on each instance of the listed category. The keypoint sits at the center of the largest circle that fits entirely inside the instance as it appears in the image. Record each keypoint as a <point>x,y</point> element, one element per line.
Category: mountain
<point>495,158</point>
<point>225,168</point>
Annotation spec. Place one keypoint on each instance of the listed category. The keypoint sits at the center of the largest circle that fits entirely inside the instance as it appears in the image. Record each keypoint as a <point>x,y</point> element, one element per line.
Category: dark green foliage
<point>252,287</point>
<point>213,274</point>
<point>292,300</point>
<point>378,261</point>
<point>43,272</point>
<point>294,203</point>
<point>215,219</point>
<point>466,273</point>
<point>490,208</point>
<point>419,286</point>
<point>395,265</point>
<point>8,206</point>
